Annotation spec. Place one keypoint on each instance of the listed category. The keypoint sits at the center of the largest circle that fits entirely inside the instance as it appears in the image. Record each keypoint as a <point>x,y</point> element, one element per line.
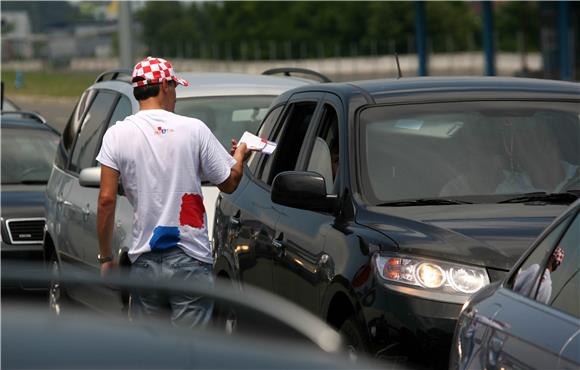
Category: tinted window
<point>563,270</point>
<point>289,141</point>
<point>481,149</point>
<point>27,155</point>
<point>325,150</point>
<point>122,110</point>
<point>264,132</point>
<point>89,137</point>
<point>74,122</point>
<point>529,272</point>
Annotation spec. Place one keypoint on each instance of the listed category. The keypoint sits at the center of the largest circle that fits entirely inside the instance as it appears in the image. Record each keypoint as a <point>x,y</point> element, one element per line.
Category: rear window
<point>226,116</point>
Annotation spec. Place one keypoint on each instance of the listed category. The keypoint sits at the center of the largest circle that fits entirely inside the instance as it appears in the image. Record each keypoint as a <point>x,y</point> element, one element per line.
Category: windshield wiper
<point>553,198</point>
<point>34,182</point>
<point>423,202</point>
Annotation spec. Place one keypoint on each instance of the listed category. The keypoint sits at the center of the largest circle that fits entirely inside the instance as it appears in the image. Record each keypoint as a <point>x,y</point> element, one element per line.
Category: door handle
<point>277,242</point>
<point>235,220</point>
<point>86,212</point>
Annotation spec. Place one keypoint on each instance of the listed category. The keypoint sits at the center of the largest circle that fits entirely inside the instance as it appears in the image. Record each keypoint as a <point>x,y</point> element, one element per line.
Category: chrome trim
<point>8,221</point>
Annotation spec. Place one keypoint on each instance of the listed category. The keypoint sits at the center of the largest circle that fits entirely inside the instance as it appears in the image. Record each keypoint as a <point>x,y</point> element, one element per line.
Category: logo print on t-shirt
<point>192,211</point>
<point>162,131</point>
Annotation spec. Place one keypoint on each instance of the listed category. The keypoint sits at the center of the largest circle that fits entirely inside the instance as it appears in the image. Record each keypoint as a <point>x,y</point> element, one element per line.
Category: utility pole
<point>125,35</point>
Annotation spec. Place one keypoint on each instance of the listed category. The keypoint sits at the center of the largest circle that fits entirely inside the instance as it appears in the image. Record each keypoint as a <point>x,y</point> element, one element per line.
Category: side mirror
<point>90,177</point>
<point>304,190</point>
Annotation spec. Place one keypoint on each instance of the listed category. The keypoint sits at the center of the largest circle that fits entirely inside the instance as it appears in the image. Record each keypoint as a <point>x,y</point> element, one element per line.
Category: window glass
<point>72,127</point>
<point>324,155</point>
<point>561,282</point>
<point>529,272</point>
<point>482,150</point>
<point>264,132</point>
<point>122,110</point>
<point>226,116</point>
<point>89,137</point>
<point>27,155</point>
<point>289,141</point>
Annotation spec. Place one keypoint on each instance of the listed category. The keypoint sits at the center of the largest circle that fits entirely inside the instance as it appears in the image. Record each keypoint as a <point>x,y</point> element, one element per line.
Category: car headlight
<point>430,278</point>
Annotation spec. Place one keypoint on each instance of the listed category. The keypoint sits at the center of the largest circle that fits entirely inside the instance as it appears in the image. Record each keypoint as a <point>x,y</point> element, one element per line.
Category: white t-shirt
<point>163,158</point>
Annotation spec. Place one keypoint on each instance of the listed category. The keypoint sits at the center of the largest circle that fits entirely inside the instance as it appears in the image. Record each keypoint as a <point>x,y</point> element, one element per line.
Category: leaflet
<point>256,143</point>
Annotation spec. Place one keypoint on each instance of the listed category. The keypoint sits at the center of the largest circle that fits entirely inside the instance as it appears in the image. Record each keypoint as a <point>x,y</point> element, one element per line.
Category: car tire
<point>56,293</point>
<point>354,338</point>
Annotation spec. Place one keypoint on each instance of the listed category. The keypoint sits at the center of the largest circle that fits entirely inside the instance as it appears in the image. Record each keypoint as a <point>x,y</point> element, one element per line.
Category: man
<point>162,158</point>
<point>525,279</point>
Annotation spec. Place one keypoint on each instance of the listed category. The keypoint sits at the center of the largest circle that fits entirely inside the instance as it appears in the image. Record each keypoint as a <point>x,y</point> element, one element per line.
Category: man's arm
<point>106,214</point>
<point>239,153</point>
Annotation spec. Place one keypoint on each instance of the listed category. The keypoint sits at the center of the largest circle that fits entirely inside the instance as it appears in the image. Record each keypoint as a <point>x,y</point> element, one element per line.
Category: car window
<point>529,271</point>
<point>324,154</point>
<point>27,155</point>
<point>264,132</point>
<point>89,137</point>
<point>289,140</point>
<point>122,110</point>
<point>468,149</point>
<point>560,284</point>
<point>74,122</point>
<point>226,116</point>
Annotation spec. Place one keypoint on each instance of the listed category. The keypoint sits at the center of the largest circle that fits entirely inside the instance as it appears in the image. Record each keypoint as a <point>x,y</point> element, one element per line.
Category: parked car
<point>387,203</point>
<point>530,319</point>
<point>28,149</point>
<point>228,103</point>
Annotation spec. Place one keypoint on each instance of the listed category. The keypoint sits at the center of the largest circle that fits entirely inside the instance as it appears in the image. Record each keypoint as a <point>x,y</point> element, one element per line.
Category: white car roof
<point>227,84</point>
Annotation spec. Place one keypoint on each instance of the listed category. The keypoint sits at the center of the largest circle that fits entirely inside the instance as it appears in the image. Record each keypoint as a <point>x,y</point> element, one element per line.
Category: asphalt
<point>55,110</point>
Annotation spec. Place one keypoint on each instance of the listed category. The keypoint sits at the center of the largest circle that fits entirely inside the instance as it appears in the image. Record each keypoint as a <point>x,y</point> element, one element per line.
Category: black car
<point>387,203</point>
<point>531,319</point>
<point>28,150</point>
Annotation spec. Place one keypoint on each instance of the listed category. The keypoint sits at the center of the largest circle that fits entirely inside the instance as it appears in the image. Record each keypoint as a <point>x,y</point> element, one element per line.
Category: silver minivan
<point>228,103</point>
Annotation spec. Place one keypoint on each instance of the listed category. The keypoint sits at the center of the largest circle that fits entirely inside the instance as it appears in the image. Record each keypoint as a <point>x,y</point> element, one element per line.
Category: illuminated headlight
<point>430,278</point>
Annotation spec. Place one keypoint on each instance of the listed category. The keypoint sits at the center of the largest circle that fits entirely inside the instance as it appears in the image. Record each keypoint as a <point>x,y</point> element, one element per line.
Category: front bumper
<point>28,257</point>
<point>404,325</point>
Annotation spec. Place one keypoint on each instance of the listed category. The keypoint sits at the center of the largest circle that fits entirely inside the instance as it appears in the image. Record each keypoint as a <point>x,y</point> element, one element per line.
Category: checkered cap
<point>558,255</point>
<point>154,71</point>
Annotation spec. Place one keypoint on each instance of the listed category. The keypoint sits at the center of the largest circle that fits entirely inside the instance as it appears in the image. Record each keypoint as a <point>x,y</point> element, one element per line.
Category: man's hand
<point>241,148</point>
<point>108,269</point>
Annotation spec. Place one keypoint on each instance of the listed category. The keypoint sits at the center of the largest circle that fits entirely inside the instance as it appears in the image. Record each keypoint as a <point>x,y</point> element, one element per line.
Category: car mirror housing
<point>304,190</point>
<point>90,177</point>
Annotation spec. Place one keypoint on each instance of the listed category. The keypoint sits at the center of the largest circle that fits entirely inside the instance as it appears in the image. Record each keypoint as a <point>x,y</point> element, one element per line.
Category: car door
<point>80,202</point>
<point>245,220</point>
<point>300,234</point>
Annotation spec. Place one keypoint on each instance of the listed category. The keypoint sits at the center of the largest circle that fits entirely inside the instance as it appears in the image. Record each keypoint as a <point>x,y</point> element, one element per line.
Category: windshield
<point>27,155</point>
<point>226,116</point>
<point>461,149</point>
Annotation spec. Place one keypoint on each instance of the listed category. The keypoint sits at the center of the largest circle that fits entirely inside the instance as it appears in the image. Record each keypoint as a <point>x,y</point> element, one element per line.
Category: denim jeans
<point>184,309</point>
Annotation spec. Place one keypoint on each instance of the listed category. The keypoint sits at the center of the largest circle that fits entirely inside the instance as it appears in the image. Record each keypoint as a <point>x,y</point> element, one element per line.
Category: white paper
<point>256,143</point>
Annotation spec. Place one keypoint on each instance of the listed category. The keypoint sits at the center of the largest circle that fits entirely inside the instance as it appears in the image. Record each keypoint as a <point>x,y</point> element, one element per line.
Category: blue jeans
<point>184,309</point>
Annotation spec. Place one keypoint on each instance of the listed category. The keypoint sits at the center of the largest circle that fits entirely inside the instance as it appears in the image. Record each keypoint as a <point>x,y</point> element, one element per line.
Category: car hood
<point>491,235</point>
<point>23,200</point>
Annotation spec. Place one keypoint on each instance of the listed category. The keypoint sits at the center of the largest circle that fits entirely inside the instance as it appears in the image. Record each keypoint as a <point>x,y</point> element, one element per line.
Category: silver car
<point>228,103</point>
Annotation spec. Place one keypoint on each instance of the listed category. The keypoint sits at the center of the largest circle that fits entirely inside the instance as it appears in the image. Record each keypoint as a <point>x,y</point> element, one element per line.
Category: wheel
<point>56,293</point>
<point>354,338</point>
<point>226,316</point>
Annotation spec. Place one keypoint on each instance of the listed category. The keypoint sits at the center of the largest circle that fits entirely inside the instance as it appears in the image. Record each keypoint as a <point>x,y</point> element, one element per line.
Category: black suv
<point>388,203</point>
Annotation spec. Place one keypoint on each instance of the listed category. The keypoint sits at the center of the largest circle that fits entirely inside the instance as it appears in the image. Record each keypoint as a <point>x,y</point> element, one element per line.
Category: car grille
<point>26,230</point>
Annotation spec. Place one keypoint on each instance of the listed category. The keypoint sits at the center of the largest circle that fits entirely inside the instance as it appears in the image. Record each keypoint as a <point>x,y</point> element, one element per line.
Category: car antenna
<point>398,66</point>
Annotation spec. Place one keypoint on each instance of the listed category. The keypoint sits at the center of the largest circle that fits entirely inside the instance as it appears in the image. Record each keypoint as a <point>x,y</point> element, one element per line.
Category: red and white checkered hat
<point>558,255</point>
<point>155,70</point>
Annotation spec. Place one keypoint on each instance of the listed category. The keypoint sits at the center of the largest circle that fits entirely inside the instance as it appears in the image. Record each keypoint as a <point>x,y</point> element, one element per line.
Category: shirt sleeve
<point>215,162</point>
<point>107,154</point>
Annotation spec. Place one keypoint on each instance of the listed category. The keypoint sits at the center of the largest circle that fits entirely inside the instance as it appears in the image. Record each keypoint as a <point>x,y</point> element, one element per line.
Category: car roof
<point>381,89</point>
<point>219,84</point>
<point>223,84</point>
<point>26,120</point>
